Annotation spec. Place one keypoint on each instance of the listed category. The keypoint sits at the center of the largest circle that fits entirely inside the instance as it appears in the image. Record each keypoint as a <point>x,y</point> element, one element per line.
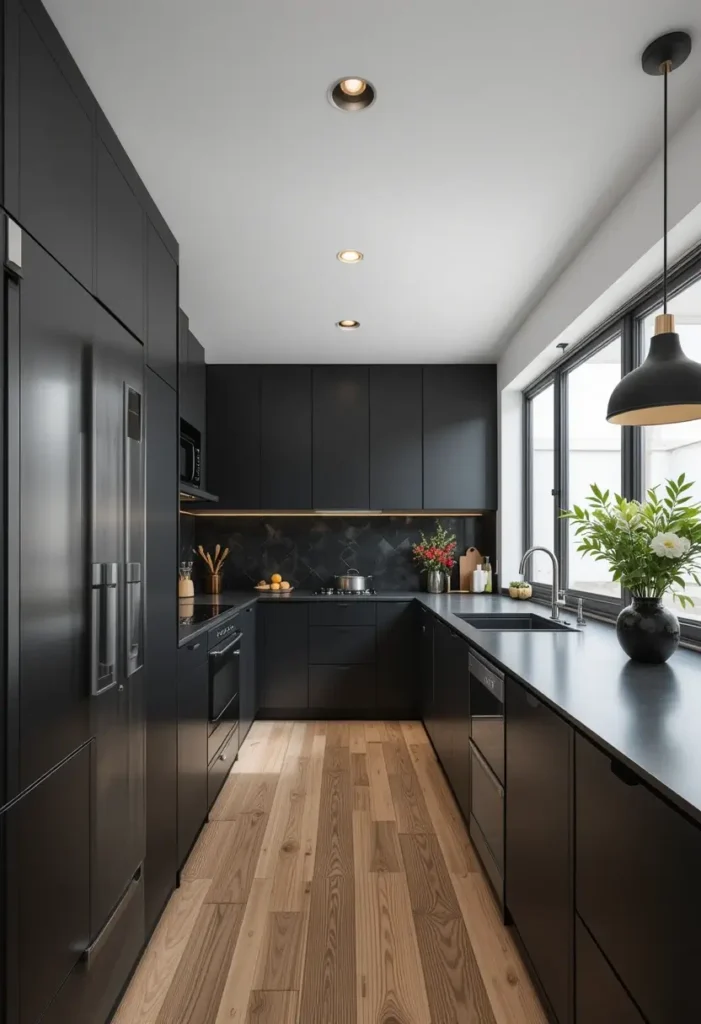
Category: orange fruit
<point>274,586</point>
<point>284,585</point>
<point>276,578</point>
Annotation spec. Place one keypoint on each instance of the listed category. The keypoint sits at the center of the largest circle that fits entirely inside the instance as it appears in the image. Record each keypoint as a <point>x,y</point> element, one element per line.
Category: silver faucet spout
<point>558,601</point>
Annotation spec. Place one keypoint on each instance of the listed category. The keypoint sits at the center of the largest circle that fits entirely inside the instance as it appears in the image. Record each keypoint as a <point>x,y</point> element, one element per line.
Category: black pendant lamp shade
<point>667,387</point>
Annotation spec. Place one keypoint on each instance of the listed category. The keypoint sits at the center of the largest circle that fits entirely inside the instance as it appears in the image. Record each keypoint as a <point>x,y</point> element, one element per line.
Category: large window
<point>570,445</point>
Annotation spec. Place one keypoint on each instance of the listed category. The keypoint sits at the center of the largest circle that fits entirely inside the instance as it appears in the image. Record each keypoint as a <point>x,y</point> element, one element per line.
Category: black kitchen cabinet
<point>286,437</point>
<point>49,180</point>
<point>637,885</point>
<point>120,244</point>
<point>196,385</point>
<point>442,735</point>
<point>162,310</point>
<point>234,435</point>
<point>342,645</point>
<point>193,714</point>
<point>426,668</point>
<point>539,841</point>
<point>339,688</point>
<point>396,439</point>
<point>284,646</point>
<point>248,688</point>
<point>460,437</point>
<point>600,997</point>
<point>161,641</point>
<point>47,851</point>
<point>459,765</point>
<point>397,657</point>
<point>341,441</point>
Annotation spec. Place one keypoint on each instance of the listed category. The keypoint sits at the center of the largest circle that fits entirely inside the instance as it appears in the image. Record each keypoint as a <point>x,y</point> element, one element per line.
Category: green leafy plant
<point>519,585</point>
<point>650,546</point>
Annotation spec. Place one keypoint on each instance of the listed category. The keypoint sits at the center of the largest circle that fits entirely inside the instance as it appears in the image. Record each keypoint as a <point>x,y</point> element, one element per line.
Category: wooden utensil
<point>206,557</point>
<point>216,554</point>
<point>468,563</point>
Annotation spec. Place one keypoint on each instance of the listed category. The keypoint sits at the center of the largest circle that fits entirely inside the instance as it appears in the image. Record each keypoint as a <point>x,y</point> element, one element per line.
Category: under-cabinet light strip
<point>253,513</point>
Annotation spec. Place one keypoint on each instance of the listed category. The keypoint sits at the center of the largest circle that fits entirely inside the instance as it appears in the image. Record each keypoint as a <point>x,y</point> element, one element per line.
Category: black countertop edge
<point>647,716</point>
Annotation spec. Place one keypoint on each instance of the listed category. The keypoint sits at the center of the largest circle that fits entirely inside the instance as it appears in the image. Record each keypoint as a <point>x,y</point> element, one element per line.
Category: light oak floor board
<point>334,883</point>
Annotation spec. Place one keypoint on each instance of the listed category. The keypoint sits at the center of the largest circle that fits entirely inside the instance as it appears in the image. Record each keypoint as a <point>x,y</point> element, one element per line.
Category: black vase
<point>647,631</point>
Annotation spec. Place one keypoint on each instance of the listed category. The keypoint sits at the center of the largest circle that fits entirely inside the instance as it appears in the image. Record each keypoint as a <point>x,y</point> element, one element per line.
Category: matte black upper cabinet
<point>539,840</point>
<point>162,310</point>
<point>396,444</point>
<point>120,244</point>
<point>341,442</point>
<point>460,437</point>
<point>286,437</point>
<point>233,435</point>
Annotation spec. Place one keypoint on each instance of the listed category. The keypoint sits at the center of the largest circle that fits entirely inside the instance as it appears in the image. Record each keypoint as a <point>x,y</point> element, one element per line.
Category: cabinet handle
<point>193,647</point>
<point>532,702</point>
<point>624,774</point>
<point>222,757</point>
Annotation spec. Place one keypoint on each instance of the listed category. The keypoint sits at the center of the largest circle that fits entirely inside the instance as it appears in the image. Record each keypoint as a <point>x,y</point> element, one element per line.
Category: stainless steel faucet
<point>558,595</point>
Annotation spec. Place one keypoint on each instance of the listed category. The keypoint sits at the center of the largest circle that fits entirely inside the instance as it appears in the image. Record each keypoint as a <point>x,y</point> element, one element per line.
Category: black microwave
<point>190,455</point>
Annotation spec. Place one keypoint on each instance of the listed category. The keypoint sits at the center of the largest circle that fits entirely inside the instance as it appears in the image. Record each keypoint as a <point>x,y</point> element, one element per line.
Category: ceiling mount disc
<point>674,47</point>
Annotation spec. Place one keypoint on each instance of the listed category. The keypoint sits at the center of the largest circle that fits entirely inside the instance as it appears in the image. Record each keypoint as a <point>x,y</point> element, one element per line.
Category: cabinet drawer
<point>342,645</point>
<point>638,888</point>
<point>599,994</point>
<point>340,687</point>
<point>353,612</point>
<point>222,765</point>
<point>192,653</point>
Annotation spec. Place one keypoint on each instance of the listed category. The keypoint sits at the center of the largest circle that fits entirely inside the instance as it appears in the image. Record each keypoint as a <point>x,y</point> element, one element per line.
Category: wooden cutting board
<point>468,563</point>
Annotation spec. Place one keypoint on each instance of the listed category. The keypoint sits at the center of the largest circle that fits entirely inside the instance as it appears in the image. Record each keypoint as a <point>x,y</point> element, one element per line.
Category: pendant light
<point>667,387</point>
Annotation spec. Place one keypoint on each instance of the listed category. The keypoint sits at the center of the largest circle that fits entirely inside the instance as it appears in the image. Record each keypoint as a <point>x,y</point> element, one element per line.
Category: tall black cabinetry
<point>341,437</point>
<point>396,442</point>
<point>234,435</point>
<point>286,437</point>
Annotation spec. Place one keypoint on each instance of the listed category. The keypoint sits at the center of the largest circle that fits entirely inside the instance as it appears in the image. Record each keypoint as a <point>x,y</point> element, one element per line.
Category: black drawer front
<point>218,735</point>
<point>600,997</point>
<point>353,612</point>
<point>487,806</point>
<point>221,766</point>
<point>341,645</point>
<point>638,886</point>
<point>192,653</point>
<point>339,687</point>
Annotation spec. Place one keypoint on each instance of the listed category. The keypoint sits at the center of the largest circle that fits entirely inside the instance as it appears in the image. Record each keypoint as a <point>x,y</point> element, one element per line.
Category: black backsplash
<point>310,550</point>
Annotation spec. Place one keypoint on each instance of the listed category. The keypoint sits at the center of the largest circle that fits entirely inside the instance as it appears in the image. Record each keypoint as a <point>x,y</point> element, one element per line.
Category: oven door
<point>487,713</point>
<point>224,661</point>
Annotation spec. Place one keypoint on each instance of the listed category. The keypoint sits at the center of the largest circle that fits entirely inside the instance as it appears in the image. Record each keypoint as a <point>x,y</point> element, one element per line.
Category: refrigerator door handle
<point>133,503</point>
<point>133,617</point>
<point>103,648</point>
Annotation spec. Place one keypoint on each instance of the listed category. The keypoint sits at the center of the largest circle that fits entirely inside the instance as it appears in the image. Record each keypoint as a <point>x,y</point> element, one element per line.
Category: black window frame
<point>626,323</point>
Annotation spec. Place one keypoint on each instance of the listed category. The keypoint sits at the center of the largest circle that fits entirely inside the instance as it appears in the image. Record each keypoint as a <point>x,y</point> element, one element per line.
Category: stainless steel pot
<point>353,582</point>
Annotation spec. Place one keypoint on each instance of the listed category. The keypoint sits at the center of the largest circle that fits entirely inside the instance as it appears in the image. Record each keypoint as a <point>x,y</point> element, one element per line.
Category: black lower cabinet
<point>638,885</point>
<point>193,753</point>
<point>283,643</point>
<point>539,843</point>
<point>248,688</point>
<point>397,686</point>
<point>342,687</point>
<point>442,733</point>
<point>600,997</point>
<point>47,851</point>
<point>426,672</point>
<point>458,700</point>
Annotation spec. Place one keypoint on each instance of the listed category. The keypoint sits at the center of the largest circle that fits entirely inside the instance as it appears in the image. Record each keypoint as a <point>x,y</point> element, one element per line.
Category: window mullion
<point>561,499</point>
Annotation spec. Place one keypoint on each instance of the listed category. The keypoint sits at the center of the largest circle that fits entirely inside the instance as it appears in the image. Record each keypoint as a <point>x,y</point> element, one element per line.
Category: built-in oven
<point>224,662</point>
<point>486,822</point>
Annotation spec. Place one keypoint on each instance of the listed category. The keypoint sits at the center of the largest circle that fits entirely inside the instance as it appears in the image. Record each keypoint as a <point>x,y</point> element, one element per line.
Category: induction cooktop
<point>203,613</point>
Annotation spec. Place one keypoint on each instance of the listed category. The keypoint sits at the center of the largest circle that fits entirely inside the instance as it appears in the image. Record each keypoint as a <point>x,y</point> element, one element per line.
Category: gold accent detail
<point>657,415</point>
<point>664,323</point>
<point>260,513</point>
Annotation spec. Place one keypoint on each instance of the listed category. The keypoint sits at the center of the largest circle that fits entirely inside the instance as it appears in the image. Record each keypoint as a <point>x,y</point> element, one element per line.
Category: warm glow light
<point>349,256</point>
<point>348,325</point>
<point>353,86</point>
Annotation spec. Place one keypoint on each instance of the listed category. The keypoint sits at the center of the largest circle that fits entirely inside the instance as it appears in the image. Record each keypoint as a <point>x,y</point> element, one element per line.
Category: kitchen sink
<point>516,623</point>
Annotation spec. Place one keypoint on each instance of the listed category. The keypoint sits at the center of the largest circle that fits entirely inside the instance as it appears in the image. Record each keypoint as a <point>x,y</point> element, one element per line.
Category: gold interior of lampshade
<point>657,415</point>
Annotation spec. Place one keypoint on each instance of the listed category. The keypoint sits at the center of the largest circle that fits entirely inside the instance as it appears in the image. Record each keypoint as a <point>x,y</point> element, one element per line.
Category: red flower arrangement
<point>435,553</point>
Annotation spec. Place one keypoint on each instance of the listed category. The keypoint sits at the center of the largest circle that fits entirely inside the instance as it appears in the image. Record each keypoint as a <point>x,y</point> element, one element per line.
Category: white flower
<point>670,545</point>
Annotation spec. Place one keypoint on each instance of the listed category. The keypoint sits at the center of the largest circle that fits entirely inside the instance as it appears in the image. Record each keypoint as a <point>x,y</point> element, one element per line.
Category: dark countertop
<point>649,716</point>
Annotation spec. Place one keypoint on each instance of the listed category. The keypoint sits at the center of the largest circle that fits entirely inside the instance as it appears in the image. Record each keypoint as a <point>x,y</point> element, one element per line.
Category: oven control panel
<point>220,633</point>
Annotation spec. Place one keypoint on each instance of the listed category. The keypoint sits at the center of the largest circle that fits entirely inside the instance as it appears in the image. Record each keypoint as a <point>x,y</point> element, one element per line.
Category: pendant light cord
<point>664,188</point>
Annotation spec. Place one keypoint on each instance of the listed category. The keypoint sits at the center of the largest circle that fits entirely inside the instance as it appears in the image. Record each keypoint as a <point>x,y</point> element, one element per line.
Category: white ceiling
<point>502,134</point>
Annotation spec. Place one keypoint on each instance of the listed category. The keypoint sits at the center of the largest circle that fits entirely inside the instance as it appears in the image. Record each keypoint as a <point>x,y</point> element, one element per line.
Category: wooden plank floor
<point>333,884</point>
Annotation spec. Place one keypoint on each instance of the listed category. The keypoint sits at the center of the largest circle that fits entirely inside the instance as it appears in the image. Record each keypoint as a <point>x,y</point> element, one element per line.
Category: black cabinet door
<point>396,440</point>
<point>458,700</point>
<point>638,887</point>
<point>539,843</point>
<point>397,657</point>
<point>426,641</point>
<point>233,435</point>
<point>342,687</point>
<point>197,398</point>
<point>286,437</point>
<point>341,437</point>
<point>460,437</point>
<point>161,642</point>
<point>600,997</point>
<point>193,708</point>
<point>248,690</point>
<point>162,310</point>
<point>49,156</point>
<point>120,244</point>
<point>284,644</point>
<point>48,859</point>
<point>185,409</point>
<point>442,735</point>
<point>342,645</point>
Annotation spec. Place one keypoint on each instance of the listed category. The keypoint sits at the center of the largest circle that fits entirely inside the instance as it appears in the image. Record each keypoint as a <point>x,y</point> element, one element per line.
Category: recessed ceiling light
<point>348,325</point>
<point>351,93</point>
<point>349,256</point>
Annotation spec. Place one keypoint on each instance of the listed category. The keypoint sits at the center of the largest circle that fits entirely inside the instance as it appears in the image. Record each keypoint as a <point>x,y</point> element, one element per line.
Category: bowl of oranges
<point>276,586</point>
